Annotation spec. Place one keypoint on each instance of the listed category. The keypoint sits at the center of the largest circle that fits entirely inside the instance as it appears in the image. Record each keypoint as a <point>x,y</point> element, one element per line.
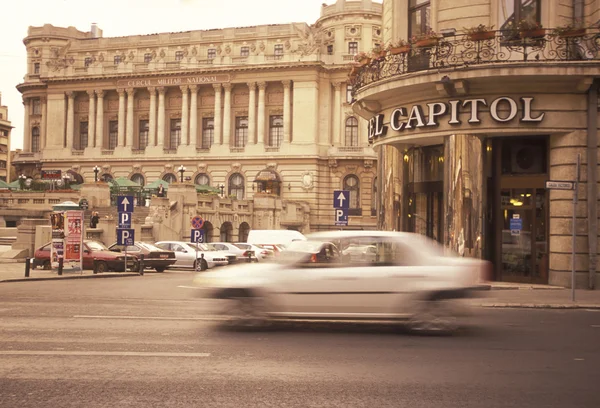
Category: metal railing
<point>500,47</point>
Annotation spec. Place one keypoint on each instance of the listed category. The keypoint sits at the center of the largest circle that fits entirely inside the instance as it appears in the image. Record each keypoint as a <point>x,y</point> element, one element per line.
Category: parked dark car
<point>154,257</point>
<point>106,259</point>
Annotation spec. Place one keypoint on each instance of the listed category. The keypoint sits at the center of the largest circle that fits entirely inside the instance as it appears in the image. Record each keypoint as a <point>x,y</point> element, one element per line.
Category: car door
<point>184,257</point>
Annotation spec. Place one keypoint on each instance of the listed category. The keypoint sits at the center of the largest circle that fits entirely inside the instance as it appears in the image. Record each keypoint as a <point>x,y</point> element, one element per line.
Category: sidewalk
<point>15,272</point>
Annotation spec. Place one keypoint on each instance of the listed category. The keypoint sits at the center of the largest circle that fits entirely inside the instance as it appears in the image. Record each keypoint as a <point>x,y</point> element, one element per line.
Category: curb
<point>539,306</point>
<point>97,276</point>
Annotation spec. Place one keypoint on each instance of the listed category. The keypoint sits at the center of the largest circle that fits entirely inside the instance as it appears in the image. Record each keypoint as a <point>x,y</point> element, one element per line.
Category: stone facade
<point>5,129</point>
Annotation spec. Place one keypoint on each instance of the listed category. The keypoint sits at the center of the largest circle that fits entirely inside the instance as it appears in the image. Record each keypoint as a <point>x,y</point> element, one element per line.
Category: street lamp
<point>181,170</point>
<point>222,187</point>
<point>96,171</point>
<point>22,179</point>
<point>66,179</point>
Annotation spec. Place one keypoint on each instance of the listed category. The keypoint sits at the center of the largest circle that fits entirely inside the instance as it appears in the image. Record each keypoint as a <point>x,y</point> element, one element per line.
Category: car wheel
<point>434,317</point>
<point>101,266</point>
<point>46,265</point>
<point>160,269</point>
<point>246,312</point>
<point>203,265</point>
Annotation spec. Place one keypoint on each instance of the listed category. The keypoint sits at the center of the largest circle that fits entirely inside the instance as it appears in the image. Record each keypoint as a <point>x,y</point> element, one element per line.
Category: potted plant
<point>362,58</point>
<point>480,32</point>
<point>427,39</point>
<point>378,52</point>
<point>531,29</point>
<point>575,29</point>
<point>398,47</point>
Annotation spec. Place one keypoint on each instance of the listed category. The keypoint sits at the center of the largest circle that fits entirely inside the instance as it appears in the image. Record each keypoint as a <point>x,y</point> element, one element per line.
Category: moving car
<point>410,280</point>
<point>154,257</point>
<point>274,237</point>
<point>107,260</point>
<point>189,256</point>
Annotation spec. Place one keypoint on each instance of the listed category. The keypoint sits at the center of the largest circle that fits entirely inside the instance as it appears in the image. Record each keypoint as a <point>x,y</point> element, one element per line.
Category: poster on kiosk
<point>74,240</point>
<point>57,220</point>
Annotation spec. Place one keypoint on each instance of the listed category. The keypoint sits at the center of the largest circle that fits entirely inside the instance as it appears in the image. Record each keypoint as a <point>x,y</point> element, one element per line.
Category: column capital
<point>252,86</point>
<point>287,84</point>
<point>121,91</point>
<point>161,90</point>
<point>227,86</point>
<point>336,85</point>
<point>25,100</point>
<point>217,87</point>
<point>261,85</point>
<point>91,93</point>
<point>194,88</point>
<point>151,89</point>
<point>184,88</point>
<point>99,93</point>
<point>70,94</point>
<point>43,99</point>
<point>131,91</point>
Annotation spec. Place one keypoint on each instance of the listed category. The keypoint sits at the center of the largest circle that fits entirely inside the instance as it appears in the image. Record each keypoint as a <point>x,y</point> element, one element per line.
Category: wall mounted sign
<point>174,81</point>
<point>502,110</point>
<point>51,175</point>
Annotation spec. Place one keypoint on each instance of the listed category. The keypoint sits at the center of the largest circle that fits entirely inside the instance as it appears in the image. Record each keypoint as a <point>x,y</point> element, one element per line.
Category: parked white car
<point>262,254</point>
<point>188,257</point>
<point>410,279</point>
<point>241,254</point>
<point>231,256</point>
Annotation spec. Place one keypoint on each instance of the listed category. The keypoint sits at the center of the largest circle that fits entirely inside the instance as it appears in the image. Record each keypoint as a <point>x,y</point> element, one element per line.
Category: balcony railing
<point>501,47</point>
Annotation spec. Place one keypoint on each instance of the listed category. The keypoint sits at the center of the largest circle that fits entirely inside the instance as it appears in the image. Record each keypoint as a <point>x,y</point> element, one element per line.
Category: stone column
<point>217,88</point>
<point>261,112</point>
<point>92,119</point>
<point>27,127</point>
<point>252,113</point>
<point>152,117</point>
<point>160,123</point>
<point>227,115</point>
<point>184,115</point>
<point>337,119</point>
<point>287,111</point>
<point>121,133</point>
<point>70,119</point>
<point>130,124</point>
<point>44,122</point>
<point>100,120</point>
<point>194,116</point>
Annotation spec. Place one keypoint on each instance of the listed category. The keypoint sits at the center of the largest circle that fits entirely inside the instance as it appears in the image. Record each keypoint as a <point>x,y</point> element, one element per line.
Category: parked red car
<point>107,260</point>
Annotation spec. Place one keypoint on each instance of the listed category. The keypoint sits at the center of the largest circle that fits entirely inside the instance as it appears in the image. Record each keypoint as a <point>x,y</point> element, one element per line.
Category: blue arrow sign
<point>125,204</point>
<point>197,236</point>
<point>124,220</point>
<point>341,216</point>
<point>341,199</point>
<point>125,236</point>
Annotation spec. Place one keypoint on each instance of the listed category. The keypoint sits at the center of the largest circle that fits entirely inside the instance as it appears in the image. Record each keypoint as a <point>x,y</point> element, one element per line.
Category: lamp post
<point>22,179</point>
<point>222,187</point>
<point>66,179</point>
<point>96,171</point>
<point>181,170</point>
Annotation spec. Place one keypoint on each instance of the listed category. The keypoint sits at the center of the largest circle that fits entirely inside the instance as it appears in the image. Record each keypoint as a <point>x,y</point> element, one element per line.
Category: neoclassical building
<point>255,111</point>
<point>476,117</point>
<point>5,130</point>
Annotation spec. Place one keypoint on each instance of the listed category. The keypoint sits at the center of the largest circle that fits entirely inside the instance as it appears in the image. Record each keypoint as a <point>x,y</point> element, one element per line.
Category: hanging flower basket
<point>400,50</point>
<point>364,61</point>
<point>380,54</point>
<point>427,42</point>
<point>482,35</point>
<point>537,33</point>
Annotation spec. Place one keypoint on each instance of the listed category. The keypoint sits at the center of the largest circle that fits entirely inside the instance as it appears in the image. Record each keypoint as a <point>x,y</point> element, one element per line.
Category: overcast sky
<point>128,17</point>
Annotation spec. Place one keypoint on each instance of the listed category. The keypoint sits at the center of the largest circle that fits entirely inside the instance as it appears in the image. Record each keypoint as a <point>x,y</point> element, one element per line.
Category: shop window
<point>202,179</point>
<point>524,156</point>
<point>138,178</point>
<point>178,55</point>
<point>208,132</point>
<point>35,139</point>
<point>352,185</point>
<point>511,12</point>
<point>113,134</point>
<point>432,164</point>
<point>143,134</point>
<point>212,53</point>
<point>351,131</point>
<point>268,182</point>
<point>278,50</point>
<point>83,135</point>
<point>419,17</point>
<point>353,48</point>
<point>275,130</point>
<point>245,51</point>
<point>236,186</point>
<point>175,133</point>
<point>241,131</point>
<point>147,58</point>
<point>169,178</point>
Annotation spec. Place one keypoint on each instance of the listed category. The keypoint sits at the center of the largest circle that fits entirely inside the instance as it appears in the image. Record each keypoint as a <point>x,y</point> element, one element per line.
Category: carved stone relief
<point>241,99</point>
<point>113,104</point>
<point>144,103</point>
<point>207,101</point>
<point>310,40</point>
<point>275,98</point>
<point>353,31</point>
<point>175,102</point>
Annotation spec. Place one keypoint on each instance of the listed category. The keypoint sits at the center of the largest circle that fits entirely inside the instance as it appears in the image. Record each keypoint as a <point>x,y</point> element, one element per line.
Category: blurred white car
<point>241,254</point>
<point>231,256</point>
<point>410,280</point>
<point>262,254</point>
<point>188,257</point>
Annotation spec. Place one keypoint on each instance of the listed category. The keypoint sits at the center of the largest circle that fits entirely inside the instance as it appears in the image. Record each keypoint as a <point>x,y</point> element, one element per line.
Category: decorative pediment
<point>236,167</point>
<point>272,166</point>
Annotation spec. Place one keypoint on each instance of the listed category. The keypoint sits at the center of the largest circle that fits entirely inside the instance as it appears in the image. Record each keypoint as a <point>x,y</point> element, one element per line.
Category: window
<point>212,53</point>
<point>348,93</point>
<point>418,17</point>
<point>352,185</point>
<point>138,178</point>
<point>236,186</point>
<point>113,134</point>
<point>83,135</point>
<point>202,179</point>
<point>278,50</point>
<point>169,178</point>
<point>241,131</point>
<point>353,47</point>
<point>245,51</point>
<point>35,139</point>
<point>275,130</point>
<point>208,132</point>
<point>175,135</point>
<point>178,55</point>
<point>37,106</point>
<point>143,134</point>
<point>147,57</point>
<point>374,198</point>
<point>3,165</point>
<point>87,61</point>
<point>117,59</point>
<point>351,131</point>
<point>513,11</point>
<point>36,68</point>
<point>330,49</point>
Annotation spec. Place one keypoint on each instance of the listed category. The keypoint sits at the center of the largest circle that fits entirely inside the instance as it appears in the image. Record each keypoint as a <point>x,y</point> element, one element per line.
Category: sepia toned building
<point>5,130</point>
<point>262,113</point>
<point>479,117</point>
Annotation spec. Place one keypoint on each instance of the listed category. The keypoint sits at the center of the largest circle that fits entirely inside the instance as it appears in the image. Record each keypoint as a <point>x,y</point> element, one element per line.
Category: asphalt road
<point>147,342</point>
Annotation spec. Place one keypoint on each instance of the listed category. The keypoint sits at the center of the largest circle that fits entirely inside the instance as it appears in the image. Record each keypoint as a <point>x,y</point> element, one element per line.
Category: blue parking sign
<point>125,204</point>
<point>197,236</point>
<point>125,236</point>
<point>341,199</point>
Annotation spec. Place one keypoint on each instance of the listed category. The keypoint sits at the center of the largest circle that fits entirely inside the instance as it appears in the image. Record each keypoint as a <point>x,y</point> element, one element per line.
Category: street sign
<point>124,220</point>
<point>84,204</point>
<point>125,204</point>
<point>341,216</point>
<point>197,236</point>
<point>125,236</point>
<point>559,185</point>
<point>341,199</point>
<point>197,222</point>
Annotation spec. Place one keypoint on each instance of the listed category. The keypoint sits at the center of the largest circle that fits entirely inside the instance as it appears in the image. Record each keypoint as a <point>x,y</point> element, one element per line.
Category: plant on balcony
<point>378,52</point>
<point>398,47</point>
<point>427,39</point>
<point>480,32</point>
<point>362,58</point>
<point>530,29</point>
<point>575,29</point>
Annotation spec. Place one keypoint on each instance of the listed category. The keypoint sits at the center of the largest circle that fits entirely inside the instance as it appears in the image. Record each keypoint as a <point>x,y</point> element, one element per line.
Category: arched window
<point>35,139</point>
<point>106,177</point>
<point>352,184</point>
<point>374,198</point>
<point>170,178</point>
<point>351,131</point>
<point>236,186</point>
<point>138,178</point>
<point>202,179</point>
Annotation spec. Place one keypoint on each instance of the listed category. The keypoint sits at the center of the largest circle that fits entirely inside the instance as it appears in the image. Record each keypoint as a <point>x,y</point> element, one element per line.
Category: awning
<point>266,175</point>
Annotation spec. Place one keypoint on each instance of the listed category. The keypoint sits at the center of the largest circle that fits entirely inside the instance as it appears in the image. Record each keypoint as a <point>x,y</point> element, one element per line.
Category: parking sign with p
<point>197,236</point>
<point>125,236</point>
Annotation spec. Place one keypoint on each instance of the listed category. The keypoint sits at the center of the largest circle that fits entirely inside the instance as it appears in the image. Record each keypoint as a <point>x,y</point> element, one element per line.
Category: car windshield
<point>148,246</point>
<point>242,246</point>
<point>201,247</point>
<point>96,246</point>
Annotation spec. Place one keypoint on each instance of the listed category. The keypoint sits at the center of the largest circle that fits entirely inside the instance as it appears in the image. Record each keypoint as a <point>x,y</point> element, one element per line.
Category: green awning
<point>203,188</point>
<point>15,185</point>
<point>124,182</point>
<point>154,185</point>
<point>4,184</point>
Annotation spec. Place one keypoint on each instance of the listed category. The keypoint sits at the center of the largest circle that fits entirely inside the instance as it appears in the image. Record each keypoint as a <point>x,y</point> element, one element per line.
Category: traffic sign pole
<point>573,238</point>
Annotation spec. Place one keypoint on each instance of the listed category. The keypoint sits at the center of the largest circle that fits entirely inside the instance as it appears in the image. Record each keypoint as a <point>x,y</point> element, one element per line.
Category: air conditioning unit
<point>526,158</point>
